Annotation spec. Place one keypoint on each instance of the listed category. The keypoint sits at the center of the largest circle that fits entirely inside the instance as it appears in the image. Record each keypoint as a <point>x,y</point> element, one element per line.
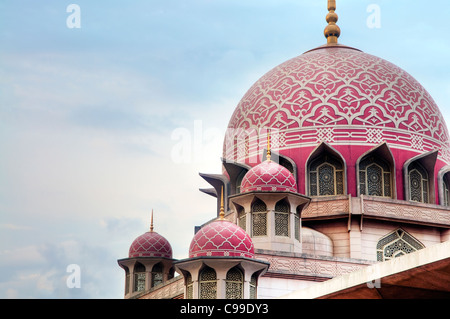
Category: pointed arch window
<point>208,284</point>
<point>253,286</point>
<point>189,287</point>
<point>326,176</point>
<point>234,284</point>
<point>396,244</point>
<point>157,275</point>
<point>139,277</point>
<point>445,190</point>
<point>418,183</point>
<point>239,179</point>
<point>282,218</point>
<point>375,177</point>
<point>242,217</point>
<point>259,218</point>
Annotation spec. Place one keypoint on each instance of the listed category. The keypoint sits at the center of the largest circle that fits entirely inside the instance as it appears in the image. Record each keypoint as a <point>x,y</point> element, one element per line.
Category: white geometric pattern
<point>359,96</point>
<point>221,238</point>
<point>268,176</point>
<point>150,244</point>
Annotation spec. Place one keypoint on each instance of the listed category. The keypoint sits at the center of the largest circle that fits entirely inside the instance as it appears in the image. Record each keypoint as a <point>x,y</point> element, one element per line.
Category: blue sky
<point>89,116</point>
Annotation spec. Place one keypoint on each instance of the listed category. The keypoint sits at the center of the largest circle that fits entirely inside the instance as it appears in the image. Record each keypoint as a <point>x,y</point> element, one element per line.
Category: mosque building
<point>335,183</point>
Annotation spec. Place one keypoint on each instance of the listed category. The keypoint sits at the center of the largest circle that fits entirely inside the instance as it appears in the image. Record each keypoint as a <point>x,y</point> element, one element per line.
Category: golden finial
<point>222,211</point>
<point>268,145</point>
<point>332,31</point>
<point>151,222</point>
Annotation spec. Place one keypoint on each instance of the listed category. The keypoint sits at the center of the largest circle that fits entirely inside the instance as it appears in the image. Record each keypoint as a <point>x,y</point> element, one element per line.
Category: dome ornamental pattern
<point>150,244</point>
<point>342,96</point>
<point>221,239</point>
<point>268,176</point>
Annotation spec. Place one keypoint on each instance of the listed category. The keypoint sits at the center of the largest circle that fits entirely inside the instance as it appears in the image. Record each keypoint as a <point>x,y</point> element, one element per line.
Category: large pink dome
<point>349,99</point>
<point>150,244</point>
<point>221,238</point>
<point>268,176</point>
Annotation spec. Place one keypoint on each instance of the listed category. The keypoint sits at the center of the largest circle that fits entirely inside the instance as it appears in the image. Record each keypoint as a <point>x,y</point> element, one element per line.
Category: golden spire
<point>151,222</point>
<point>332,31</point>
<point>222,211</point>
<point>268,145</point>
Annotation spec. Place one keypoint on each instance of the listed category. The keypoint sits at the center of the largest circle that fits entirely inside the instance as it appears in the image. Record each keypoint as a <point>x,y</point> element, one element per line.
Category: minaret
<point>332,31</point>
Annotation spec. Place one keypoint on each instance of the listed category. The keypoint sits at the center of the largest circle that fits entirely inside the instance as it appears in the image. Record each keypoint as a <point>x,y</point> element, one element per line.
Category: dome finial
<point>332,31</point>
<point>268,145</point>
<point>222,211</point>
<point>151,222</point>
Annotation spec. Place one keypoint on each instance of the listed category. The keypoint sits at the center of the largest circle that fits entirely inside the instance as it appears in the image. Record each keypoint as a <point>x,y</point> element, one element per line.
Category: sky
<point>112,109</point>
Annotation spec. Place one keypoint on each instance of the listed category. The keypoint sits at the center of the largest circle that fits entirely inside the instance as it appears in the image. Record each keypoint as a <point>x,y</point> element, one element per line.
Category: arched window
<point>287,164</point>
<point>253,286</point>
<point>282,218</point>
<point>375,177</point>
<point>297,223</point>
<point>326,176</point>
<point>259,218</point>
<point>234,284</point>
<point>139,277</point>
<point>189,287</point>
<point>242,217</point>
<point>418,183</point>
<point>396,244</point>
<point>157,275</point>
<point>127,280</point>
<point>208,284</point>
<point>445,189</point>
<point>239,179</point>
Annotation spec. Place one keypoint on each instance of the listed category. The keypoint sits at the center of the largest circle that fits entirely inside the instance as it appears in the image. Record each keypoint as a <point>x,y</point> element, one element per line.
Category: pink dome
<point>268,176</point>
<point>150,244</point>
<point>221,238</point>
<point>349,99</point>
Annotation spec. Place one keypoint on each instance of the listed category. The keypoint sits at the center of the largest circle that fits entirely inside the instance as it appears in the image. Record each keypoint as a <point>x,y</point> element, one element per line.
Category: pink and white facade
<point>359,174</point>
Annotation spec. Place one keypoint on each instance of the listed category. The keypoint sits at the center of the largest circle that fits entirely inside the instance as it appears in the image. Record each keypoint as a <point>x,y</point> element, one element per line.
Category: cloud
<point>42,271</point>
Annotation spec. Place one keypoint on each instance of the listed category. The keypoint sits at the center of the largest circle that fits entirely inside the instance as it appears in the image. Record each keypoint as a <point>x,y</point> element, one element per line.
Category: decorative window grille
<point>418,183</point>
<point>282,224</point>
<point>189,287</point>
<point>239,181</point>
<point>242,218</point>
<point>234,284</point>
<point>282,218</point>
<point>259,218</point>
<point>326,176</point>
<point>157,275</point>
<point>445,190</point>
<point>375,177</point>
<point>139,277</point>
<point>396,244</point>
<point>208,284</point>
<point>139,281</point>
<point>253,287</point>
<point>127,282</point>
<point>297,225</point>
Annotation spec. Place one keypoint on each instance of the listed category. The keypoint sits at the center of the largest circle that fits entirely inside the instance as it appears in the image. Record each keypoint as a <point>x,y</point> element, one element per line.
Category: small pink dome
<point>221,238</point>
<point>150,244</point>
<point>268,176</point>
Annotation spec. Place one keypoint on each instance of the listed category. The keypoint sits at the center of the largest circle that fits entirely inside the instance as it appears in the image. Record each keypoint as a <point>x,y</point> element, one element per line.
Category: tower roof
<point>150,244</point>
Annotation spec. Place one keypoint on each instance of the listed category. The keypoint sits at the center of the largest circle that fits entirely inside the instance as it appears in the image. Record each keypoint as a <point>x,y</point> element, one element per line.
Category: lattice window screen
<point>234,284</point>
<point>208,284</point>
<point>396,244</point>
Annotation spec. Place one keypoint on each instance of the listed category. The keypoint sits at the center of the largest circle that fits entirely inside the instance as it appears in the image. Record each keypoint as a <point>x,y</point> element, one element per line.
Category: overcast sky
<point>91,117</point>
